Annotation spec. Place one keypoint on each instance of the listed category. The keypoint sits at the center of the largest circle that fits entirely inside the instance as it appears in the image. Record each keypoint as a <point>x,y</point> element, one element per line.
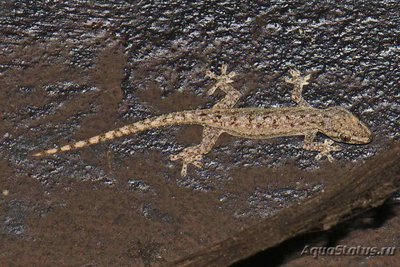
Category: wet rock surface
<point>75,69</point>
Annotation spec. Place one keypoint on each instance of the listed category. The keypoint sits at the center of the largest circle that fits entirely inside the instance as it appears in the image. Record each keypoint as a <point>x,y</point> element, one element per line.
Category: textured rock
<point>73,69</point>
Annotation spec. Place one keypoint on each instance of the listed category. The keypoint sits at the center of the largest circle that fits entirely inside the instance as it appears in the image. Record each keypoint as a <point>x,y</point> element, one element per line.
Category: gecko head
<point>343,126</point>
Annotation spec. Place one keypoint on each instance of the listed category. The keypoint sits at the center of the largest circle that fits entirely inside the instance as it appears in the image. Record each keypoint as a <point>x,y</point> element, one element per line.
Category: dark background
<point>73,69</point>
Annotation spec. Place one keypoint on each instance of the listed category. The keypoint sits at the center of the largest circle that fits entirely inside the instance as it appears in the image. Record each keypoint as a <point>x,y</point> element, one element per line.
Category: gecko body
<point>256,123</point>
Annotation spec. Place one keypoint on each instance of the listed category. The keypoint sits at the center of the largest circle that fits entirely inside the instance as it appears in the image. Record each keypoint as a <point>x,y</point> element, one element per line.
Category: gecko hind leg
<point>298,82</point>
<point>194,154</point>
<point>223,81</point>
<point>324,148</point>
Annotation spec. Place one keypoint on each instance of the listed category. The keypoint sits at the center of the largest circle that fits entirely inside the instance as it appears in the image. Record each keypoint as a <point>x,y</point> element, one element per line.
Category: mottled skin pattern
<point>256,123</point>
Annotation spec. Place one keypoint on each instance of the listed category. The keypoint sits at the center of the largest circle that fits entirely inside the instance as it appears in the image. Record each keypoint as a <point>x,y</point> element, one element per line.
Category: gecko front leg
<point>298,82</point>
<point>194,155</point>
<point>324,148</point>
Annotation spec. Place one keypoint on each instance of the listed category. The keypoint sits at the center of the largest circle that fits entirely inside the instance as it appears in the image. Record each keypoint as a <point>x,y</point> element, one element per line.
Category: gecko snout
<point>362,136</point>
<point>361,139</point>
<point>355,133</point>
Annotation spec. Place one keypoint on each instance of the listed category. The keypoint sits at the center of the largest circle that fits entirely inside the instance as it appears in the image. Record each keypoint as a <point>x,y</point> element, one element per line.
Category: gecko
<point>335,122</point>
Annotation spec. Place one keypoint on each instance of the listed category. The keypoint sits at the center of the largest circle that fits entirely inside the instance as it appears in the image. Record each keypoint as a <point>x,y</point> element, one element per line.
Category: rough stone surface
<point>73,69</point>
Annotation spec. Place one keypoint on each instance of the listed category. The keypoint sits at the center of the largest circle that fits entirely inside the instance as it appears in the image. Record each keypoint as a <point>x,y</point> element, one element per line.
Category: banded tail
<point>177,118</point>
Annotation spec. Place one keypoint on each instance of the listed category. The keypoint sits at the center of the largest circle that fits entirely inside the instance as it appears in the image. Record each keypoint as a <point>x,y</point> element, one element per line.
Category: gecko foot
<point>223,80</point>
<point>297,79</point>
<point>325,148</point>
<point>188,156</point>
<point>299,82</point>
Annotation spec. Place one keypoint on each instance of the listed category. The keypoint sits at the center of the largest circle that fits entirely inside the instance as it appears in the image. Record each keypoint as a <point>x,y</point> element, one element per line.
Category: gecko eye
<point>345,137</point>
